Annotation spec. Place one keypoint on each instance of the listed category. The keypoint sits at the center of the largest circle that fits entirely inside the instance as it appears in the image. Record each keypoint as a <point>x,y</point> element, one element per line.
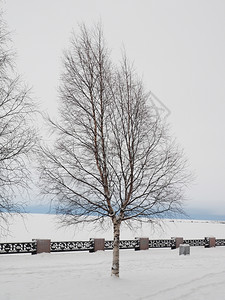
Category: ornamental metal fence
<point>160,243</point>
<point>68,246</point>
<point>15,248</point>
<point>220,242</point>
<point>124,244</point>
<point>72,246</point>
<point>201,242</point>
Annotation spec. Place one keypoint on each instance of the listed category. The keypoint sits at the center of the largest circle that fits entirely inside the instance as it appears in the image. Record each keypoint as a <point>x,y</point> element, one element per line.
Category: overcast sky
<point>178,46</point>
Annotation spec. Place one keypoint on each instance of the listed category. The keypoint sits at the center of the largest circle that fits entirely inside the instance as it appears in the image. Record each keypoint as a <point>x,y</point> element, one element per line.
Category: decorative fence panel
<point>16,248</point>
<point>72,246</point>
<point>160,243</point>
<point>220,242</point>
<point>108,245</point>
<point>124,244</point>
<point>134,244</point>
<point>193,243</point>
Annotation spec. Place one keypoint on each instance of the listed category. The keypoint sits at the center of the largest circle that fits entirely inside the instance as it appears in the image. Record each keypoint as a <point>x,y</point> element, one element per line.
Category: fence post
<point>176,242</point>
<point>143,244</point>
<point>98,245</point>
<point>43,246</point>
<point>210,242</point>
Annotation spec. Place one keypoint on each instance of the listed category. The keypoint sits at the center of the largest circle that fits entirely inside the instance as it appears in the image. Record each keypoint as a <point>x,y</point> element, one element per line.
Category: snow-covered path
<point>152,274</point>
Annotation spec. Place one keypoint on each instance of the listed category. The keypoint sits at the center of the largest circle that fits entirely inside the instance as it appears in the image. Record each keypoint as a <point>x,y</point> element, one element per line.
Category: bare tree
<point>113,156</point>
<point>16,135</point>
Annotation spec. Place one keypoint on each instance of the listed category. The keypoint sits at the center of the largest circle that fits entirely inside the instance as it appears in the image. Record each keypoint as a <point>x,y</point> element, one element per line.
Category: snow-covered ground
<point>35,226</point>
<point>151,274</point>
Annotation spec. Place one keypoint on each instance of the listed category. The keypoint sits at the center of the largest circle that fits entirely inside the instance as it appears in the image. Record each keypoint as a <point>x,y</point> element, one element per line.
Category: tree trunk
<point>115,262</point>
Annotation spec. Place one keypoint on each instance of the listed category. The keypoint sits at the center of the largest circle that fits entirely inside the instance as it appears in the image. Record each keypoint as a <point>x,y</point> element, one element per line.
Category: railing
<point>220,242</point>
<point>67,246</point>
<point>124,244</point>
<point>14,248</point>
<point>71,246</point>
<point>193,243</point>
<point>160,243</point>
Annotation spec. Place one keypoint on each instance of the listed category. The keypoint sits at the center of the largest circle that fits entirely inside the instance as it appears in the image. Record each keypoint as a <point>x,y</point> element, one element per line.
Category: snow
<point>44,226</point>
<point>150,274</point>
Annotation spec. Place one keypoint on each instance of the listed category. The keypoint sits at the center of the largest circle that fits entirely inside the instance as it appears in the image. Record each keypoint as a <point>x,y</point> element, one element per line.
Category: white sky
<point>179,48</point>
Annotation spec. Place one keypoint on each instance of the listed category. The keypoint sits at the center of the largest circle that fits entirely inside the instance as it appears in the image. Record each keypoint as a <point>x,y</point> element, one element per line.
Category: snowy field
<point>38,226</point>
<point>151,274</point>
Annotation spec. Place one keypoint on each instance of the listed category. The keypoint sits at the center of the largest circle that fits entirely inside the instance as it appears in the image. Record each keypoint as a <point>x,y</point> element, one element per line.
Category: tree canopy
<point>113,156</point>
<point>17,135</point>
